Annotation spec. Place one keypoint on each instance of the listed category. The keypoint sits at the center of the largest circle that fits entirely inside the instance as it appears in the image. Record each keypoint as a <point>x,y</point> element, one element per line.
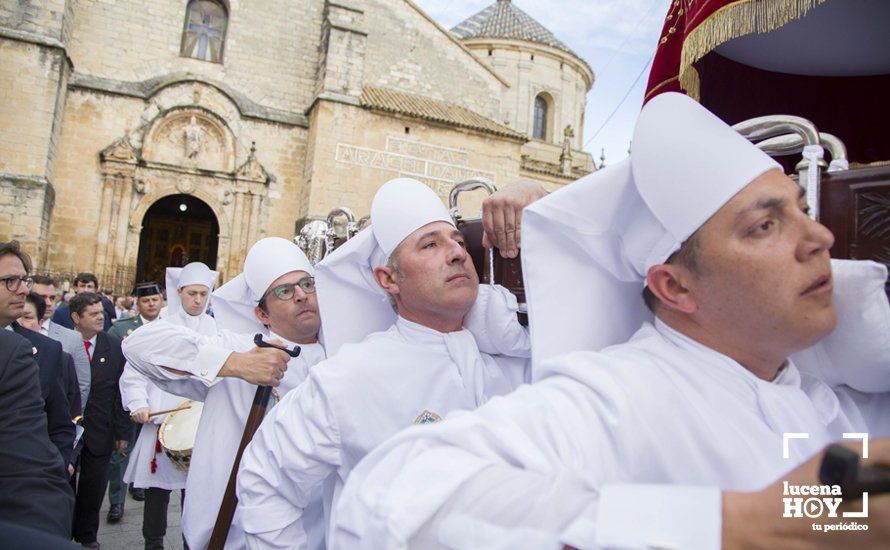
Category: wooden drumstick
<point>169,411</point>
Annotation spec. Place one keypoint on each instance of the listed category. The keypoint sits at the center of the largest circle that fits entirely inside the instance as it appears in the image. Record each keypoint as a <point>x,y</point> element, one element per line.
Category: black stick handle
<point>260,343</point>
<point>841,466</point>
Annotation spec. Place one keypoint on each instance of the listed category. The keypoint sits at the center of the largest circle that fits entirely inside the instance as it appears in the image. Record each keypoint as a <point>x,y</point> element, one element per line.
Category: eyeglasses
<point>287,291</point>
<point>13,282</point>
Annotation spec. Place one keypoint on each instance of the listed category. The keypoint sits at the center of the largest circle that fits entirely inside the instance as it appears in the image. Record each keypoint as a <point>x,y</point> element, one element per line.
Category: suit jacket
<point>104,418</point>
<point>124,327</point>
<point>72,343</point>
<point>50,360</point>
<point>62,314</point>
<point>34,487</point>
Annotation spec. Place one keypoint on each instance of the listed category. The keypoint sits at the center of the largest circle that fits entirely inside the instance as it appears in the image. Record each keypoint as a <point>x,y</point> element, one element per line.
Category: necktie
<point>87,345</point>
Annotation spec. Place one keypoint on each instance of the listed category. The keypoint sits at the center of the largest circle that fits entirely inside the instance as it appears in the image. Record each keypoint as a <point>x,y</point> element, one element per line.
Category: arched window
<point>539,130</point>
<point>205,30</point>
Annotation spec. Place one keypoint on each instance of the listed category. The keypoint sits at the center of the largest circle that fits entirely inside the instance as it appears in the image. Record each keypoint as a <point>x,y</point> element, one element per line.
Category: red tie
<point>87,345</point>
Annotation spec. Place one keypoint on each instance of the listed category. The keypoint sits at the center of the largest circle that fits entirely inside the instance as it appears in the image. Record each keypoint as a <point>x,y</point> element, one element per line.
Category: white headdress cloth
<point>586,249</point>
<point>351,303</point>
<point>194,273</point>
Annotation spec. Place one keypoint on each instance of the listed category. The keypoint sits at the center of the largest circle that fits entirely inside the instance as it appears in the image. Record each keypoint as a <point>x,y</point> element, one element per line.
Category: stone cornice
<point>145,89</point>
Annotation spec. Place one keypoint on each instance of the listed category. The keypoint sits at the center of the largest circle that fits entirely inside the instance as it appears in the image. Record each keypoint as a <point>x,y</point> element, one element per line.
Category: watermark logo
<point>821,501</point>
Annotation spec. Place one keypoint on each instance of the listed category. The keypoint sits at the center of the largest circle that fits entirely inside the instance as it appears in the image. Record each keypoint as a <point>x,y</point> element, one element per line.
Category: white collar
<point>416,333</point>
<point>788,374</point>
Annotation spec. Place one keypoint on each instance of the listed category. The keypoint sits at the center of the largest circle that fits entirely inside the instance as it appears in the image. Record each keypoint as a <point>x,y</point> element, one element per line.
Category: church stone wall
<point>408,52</point>
<point>94,121</point>
<point>270,50</point>
<point>355,151</point>
<point>46,18</point>
<point>30,79</point>
<point>91,122</point>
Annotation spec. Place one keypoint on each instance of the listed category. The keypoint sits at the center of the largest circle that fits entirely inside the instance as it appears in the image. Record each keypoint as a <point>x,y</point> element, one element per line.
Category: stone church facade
<point>135,135</point>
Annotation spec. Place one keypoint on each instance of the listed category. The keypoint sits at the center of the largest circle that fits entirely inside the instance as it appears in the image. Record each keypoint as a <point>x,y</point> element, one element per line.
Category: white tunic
<point>226,406</point>
<point>409,374</point>
<point>582,457</point>
<point>138,391</point>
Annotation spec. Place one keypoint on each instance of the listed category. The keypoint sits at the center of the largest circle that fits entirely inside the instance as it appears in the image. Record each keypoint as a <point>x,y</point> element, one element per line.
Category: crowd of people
<point>685,317</point>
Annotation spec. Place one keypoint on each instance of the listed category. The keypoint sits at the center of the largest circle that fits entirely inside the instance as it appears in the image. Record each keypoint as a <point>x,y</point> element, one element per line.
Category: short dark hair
<point>687,256</point>
<point>39,304</point>
<point>14,248</point>
<point>83,278</point>
<point>80,302</point>
<point>43,280</point>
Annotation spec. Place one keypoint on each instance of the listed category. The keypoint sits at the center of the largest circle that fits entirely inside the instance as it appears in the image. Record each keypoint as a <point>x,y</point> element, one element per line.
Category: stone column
<point>341,64</point>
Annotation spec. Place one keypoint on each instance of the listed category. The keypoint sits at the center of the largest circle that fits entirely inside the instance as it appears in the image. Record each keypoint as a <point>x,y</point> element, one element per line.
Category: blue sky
<point>616,37</point>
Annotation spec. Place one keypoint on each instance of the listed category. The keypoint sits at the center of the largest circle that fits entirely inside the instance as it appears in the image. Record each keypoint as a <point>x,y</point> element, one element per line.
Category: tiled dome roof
<point>504,20</point>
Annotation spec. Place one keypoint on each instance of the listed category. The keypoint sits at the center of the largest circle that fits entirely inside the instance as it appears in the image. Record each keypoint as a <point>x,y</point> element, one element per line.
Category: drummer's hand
<point>502,213</point>
<point>121,446</point>
<point>765,509</point>
<point>259,366</point>
<point>70,470</point>
<point>140,415</point>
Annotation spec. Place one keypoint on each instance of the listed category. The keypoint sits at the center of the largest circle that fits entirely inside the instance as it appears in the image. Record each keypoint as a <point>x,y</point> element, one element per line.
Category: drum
<point>177,434</point>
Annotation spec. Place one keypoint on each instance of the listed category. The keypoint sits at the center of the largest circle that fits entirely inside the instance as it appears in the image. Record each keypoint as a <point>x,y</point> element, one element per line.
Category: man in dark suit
<point>34,489</point>
<point>35,307</point>
<point>106,424</point>
<point>85,282</point>
<point>45,287</point>
<point>47,353</point>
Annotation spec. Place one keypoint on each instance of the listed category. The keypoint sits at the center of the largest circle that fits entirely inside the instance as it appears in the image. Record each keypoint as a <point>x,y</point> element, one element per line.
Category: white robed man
<point>415,337</point>
<point>275,297</point>
<point>631,446</point>
<point>188,292</point>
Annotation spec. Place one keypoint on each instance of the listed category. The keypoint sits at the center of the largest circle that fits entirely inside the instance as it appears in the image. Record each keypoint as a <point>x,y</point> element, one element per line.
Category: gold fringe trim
<point>732,21</point>
<point>693,83</point>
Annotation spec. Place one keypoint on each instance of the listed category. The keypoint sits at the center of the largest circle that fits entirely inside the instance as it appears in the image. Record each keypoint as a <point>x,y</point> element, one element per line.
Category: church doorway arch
<point>176,230</point>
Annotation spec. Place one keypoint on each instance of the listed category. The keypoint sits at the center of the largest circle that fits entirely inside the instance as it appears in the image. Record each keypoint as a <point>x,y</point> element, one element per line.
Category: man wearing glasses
<point>275,297</point>
<point>14,286</point>
<point>71,342</point>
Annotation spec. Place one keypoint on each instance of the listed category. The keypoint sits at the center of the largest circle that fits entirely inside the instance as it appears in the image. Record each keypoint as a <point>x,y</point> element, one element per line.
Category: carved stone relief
<point>189,139</point>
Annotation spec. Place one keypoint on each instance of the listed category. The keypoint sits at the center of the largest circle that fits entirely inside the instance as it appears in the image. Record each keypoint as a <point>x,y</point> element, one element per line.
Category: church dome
<point>504,20</point>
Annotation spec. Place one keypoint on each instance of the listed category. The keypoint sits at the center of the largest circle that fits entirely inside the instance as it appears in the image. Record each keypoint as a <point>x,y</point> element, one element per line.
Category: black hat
<point>150,288</point>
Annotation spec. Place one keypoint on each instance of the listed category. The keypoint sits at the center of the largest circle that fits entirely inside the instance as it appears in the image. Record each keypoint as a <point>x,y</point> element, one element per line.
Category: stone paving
<point>127,533</point>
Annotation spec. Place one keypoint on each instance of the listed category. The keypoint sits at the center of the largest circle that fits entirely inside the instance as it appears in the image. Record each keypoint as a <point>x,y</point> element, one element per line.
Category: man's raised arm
<point>184,362</point>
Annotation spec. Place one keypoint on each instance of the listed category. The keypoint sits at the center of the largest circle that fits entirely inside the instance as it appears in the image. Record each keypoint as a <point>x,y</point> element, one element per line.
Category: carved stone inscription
<point>438,167</point>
